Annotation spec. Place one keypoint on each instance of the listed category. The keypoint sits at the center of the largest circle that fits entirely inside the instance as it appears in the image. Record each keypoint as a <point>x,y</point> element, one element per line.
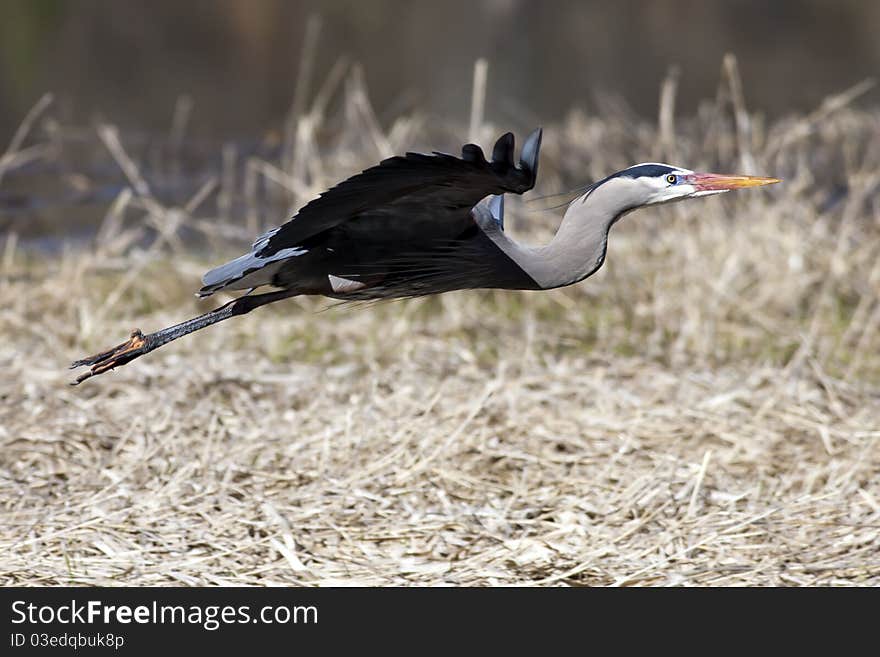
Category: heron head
<point>662,183</point>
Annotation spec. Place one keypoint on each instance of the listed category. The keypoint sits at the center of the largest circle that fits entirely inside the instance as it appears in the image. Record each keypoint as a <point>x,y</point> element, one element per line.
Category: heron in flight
<point>420,224</point>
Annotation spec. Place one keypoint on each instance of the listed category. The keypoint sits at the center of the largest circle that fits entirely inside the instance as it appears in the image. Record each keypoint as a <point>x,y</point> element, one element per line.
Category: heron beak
<point>716,182</point>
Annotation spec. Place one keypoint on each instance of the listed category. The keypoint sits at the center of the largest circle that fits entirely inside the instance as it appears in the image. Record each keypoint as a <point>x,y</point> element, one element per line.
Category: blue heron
<point>421,224</point>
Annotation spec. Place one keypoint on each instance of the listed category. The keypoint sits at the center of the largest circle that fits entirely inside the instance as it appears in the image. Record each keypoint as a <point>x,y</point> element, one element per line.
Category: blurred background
<point>704,410</point>
<point>231,109</point>
<point>238,61</point>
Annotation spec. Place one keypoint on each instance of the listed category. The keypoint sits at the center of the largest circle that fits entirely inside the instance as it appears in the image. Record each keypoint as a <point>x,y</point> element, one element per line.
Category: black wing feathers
<point>399,183</point>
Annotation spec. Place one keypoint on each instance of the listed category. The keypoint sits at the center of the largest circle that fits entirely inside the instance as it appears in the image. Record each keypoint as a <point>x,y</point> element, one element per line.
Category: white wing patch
<point>343,285</point>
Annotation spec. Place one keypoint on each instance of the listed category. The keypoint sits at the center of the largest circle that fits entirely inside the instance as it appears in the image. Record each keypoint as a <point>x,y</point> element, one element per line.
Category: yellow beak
<point>718,182</point>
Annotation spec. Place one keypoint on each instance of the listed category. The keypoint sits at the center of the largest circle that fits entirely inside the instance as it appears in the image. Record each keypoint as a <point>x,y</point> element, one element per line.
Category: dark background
<point>128,62</point>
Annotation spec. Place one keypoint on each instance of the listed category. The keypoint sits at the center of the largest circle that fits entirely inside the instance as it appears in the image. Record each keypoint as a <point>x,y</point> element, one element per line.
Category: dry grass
<point>705,410</point>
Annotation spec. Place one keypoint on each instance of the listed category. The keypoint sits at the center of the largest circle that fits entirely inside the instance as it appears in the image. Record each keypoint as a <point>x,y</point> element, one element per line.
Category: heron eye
<point>672,179</point>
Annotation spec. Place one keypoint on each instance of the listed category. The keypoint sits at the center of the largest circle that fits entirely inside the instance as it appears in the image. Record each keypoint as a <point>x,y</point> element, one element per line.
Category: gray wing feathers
<point>263,239</point>
<point>496,207</point>
<point>528,158</point>
<point>489,214</point>
<point>249,270</point>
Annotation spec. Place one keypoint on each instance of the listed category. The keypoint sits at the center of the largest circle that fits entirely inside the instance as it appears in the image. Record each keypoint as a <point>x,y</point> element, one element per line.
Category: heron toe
<point>135,346</point>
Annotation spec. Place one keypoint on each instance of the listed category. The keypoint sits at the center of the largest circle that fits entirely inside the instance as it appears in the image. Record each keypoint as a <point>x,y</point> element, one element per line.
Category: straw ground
<point>705,410</point>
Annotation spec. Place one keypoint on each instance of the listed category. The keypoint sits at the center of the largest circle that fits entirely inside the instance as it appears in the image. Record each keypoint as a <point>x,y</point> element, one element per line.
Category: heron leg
<point>139,344</point>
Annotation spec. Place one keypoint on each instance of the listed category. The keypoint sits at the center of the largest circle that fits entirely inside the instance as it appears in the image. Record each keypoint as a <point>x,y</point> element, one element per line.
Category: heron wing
<point>397,189</point>
<point>436,181</point>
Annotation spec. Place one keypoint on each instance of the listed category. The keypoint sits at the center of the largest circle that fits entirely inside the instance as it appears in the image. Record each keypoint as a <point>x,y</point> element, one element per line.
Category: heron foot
<point>135,346</point>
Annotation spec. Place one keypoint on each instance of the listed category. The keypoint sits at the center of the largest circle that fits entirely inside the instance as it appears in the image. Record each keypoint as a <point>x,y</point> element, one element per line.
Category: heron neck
<point>578,248</point>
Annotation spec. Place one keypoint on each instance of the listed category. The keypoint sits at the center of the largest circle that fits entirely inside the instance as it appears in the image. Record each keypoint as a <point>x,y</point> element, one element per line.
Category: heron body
<point>421,224</point>
<point>413,225</point>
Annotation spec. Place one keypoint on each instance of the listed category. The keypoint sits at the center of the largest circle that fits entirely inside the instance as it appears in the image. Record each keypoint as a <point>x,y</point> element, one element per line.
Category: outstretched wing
<point>438,184</point>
